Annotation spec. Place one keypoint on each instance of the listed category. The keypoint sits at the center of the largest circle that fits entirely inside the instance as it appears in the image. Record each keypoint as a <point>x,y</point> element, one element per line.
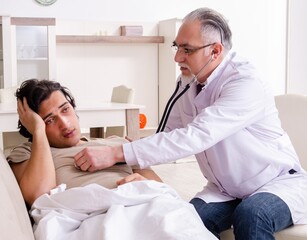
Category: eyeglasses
<point>187,50</point>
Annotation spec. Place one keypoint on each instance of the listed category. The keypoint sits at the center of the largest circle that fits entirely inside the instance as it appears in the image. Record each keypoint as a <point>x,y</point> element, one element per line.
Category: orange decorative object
<point>143,120</point>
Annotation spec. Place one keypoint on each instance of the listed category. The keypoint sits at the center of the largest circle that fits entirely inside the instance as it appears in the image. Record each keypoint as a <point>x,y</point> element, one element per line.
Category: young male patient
<point>48,119</point>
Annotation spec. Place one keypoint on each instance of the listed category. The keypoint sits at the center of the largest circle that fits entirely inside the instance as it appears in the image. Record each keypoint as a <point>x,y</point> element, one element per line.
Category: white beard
<point>186,79</point>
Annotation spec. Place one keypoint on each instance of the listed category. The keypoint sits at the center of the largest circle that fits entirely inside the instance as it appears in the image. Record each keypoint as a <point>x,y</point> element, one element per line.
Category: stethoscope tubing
<point>170,105</point>
<point>173,99</point>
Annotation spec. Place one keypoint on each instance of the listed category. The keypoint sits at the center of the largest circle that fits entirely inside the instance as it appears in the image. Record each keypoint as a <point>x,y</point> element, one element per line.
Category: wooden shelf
<point>108,39</point>
<point>25,21</point>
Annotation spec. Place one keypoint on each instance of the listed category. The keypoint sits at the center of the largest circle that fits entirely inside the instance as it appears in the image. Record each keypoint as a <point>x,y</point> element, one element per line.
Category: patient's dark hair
<point>36,91</point>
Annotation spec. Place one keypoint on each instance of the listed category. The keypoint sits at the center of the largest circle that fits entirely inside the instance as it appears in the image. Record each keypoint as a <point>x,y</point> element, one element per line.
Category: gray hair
<point>214,26</point>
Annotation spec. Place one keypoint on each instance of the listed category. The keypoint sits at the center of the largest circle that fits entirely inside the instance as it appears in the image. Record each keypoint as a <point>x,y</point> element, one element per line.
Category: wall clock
<point>46,2</point>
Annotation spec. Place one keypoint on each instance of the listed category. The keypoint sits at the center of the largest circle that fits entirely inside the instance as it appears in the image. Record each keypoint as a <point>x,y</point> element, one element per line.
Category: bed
<point>139,210</point>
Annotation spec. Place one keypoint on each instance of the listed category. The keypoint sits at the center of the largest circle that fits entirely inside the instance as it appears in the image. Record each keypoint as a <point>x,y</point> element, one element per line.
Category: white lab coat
<point>232,127</point>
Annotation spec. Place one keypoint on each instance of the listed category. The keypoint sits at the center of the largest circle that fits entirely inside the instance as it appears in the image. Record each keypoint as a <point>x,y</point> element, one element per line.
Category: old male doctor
<point>255,180</point>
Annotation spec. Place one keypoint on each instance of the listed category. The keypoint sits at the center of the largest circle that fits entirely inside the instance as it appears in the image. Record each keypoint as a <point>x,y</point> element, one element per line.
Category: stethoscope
<point>174,98</point>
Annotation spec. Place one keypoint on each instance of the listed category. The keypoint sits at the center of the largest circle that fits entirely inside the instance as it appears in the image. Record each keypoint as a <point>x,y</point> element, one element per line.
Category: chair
<point>120,94</point>
<point>293,114</point>
<point>14,219</point>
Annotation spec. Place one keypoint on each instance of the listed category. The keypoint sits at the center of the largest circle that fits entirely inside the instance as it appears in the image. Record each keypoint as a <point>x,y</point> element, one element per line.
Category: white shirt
<point>232,127</point>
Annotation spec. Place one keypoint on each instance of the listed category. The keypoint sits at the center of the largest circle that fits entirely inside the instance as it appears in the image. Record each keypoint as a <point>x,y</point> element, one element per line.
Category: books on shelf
<point>131,30</point>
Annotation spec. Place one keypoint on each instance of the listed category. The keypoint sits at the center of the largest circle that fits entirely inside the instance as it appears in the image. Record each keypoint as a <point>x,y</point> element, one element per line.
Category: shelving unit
<point>28,49</point>
<point>108,39</point>
<point>31,59</point>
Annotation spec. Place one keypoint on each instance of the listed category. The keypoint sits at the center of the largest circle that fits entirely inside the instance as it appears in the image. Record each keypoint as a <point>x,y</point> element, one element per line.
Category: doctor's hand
<point>29,119</point>
<point>131,178</point>
<point>98,157</point>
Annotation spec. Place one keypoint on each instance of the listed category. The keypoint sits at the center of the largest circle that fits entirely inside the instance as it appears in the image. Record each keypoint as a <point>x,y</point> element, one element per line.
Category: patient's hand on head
<point>30,119</point>
<point>131,178</point>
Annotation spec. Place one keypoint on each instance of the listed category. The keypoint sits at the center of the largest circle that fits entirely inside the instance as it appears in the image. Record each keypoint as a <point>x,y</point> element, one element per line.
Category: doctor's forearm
<point>128,154</point>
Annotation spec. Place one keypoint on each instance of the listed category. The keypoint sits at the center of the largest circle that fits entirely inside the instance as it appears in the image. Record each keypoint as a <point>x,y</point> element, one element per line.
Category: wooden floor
<point>184,176</point>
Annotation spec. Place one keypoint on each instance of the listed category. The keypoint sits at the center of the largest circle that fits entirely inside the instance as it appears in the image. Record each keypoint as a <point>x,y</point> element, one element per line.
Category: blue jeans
<point>254,218</point>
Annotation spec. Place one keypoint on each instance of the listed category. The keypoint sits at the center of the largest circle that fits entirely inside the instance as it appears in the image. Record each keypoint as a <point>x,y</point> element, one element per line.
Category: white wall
<point>297,39</point>
<point>259,33</point>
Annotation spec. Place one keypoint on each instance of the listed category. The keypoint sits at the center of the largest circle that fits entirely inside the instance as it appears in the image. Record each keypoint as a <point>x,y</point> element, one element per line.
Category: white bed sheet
<point>138,210</point>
